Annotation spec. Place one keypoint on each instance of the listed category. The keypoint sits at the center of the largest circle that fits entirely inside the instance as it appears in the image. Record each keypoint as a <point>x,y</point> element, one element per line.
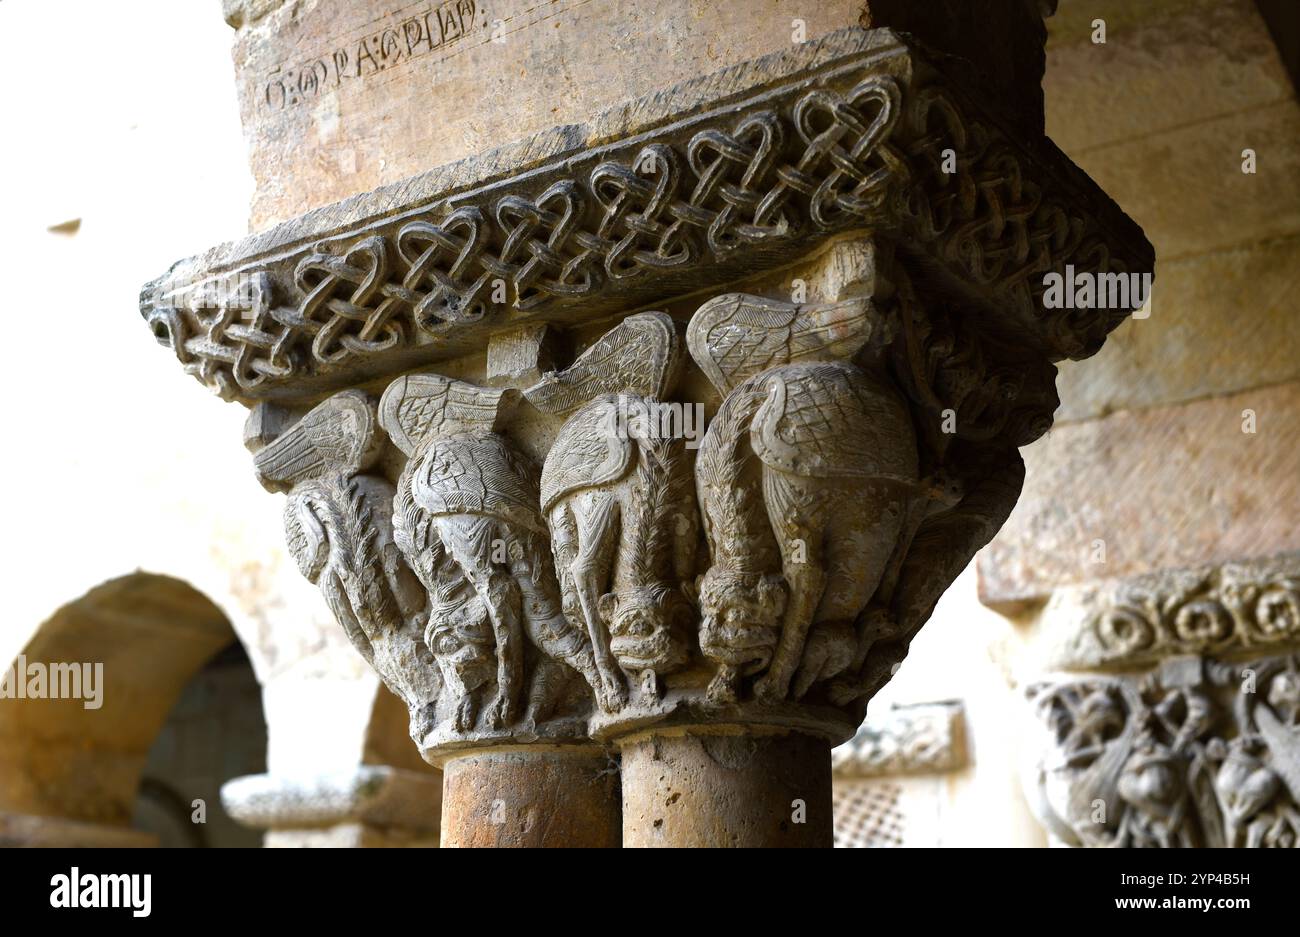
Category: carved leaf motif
<point>737,336</point>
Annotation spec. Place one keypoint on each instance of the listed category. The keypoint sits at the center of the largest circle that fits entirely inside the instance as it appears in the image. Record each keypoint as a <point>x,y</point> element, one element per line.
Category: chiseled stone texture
<point>1200,199</point>
<point>1102,94</point>
<point>724,790</point>
<point>1166,487</point>
<point>1185,86</point>
<point>556,797</point>
<point>1233,610</point>
<point>316,137</point>
<point>1220,323</point>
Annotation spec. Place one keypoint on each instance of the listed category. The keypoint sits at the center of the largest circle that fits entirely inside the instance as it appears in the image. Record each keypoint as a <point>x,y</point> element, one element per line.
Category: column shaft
<point>719,790</point>
<point>528,799</point>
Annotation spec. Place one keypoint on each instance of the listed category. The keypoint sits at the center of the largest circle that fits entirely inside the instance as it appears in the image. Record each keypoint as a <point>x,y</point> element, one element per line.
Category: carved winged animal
<point>805,478</point>
<point>337,522</point>
<point>465,517</point>
<point>616,492</point>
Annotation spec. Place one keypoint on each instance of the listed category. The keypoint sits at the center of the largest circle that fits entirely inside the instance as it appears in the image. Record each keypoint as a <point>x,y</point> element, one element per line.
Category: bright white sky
<point>122,114</point>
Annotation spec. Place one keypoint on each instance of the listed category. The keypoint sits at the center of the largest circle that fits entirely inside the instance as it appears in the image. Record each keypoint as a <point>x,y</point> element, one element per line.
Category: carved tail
<point>735,524</point>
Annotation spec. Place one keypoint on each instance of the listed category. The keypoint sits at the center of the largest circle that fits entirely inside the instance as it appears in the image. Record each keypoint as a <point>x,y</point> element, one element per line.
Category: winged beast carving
<point>466,519</point>
<point>805,478</point>
<point>616,493</point>
<point>338,528</point>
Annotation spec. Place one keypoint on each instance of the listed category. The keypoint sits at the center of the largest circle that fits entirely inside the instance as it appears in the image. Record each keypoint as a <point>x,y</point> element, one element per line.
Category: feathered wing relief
<point>616,492</point>
<point>467,519</point>
<point>338,527</point>
<point>838,502</point>
<point>804,478</point>
<point>836,505</point>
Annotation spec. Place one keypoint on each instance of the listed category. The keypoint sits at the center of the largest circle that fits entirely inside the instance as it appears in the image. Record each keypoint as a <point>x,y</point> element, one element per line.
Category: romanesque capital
<point>571,458</point>
<point>1193,752</point>
<point>1170,711</point>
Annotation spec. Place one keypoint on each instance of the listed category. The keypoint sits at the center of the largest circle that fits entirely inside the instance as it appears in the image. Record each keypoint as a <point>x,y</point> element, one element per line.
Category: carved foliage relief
<point>1198,752</point>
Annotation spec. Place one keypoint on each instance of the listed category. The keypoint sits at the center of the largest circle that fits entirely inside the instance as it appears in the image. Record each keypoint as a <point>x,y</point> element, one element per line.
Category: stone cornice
<point>374,794</point>
<point>720,178</point>
<point>924,738</point>
<point>1233,609</point>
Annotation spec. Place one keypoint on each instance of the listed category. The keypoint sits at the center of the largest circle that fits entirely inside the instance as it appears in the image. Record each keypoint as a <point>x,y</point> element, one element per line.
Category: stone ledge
<point>1231,610</point>
<point>924,738</point>
<point>1164,488</point>
<point>373,795</point>
<point>424,271</point>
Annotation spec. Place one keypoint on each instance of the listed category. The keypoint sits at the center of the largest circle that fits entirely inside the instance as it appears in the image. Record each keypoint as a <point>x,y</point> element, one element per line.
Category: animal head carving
<point>459,633</point>
<point>741,617</point>
<point>648,627</point>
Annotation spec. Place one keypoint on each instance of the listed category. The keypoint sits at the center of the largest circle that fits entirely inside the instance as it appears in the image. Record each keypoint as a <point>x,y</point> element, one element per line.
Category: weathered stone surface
<point>1072,21</point>
<point>375,795</point>
<point>1163,488</point>
<point>1219,323</point>
<point>428,269</point>
<point>1194,752</point>
<point>1099,94</point>
<point>726,790</point>
<point>326,87</point>
<point>531,798</point>
<point>925,738</point>
<point>1231,610</point>
<point>1231,208</point>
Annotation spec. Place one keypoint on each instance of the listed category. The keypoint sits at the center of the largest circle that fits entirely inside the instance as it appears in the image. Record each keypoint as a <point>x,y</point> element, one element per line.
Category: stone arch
<point>70,768</point>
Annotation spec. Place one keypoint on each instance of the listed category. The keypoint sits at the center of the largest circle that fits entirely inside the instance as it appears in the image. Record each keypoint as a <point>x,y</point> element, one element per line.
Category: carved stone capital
<point>924,738</point>
<point>547,514</point>
<point>1194,752</point>
<point>767,572</point>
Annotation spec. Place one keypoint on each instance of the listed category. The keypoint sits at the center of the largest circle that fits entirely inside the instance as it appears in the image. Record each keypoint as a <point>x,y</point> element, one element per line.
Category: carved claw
<point>771,688</point>
<point>613,695</point>
<point>724,687</point>
<point>501,711</point>
<point>466,715</point>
